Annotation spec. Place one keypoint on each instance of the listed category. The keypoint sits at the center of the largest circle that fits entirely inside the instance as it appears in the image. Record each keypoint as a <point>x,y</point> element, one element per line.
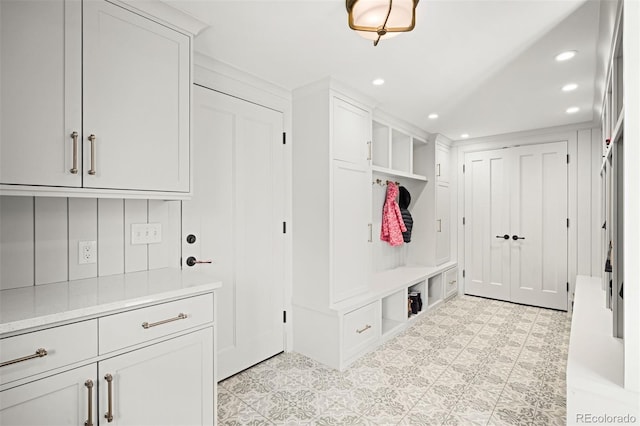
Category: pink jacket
<point>392,223</point>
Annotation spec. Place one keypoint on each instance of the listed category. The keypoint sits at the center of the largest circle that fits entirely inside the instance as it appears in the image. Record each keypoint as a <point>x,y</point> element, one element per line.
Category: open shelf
<point>394,308</point>
<point>419,289</point>
<point>397,153</point>
<point>435,291</point>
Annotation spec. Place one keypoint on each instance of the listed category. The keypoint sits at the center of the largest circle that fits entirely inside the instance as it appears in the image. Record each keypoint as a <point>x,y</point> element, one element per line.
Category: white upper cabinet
<point>351,132</point>
<point>136,101</point>
<point>41,89</point>
<point>94,96</point>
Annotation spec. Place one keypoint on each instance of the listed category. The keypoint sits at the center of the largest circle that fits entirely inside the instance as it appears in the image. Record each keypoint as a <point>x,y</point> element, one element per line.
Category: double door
<point>516,224</point>
<point>93,96</point>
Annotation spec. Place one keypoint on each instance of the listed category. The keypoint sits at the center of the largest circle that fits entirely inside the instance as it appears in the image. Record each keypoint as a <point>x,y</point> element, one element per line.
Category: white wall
<point>39,238</point>
<point>584,199</point>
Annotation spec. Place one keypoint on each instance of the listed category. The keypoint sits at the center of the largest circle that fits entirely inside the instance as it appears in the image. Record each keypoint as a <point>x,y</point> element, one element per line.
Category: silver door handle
<point>89,386</point>
<point>109,414</point>
<point>370,155</point>
<point>371,232</point>
<point>439,225</point>
<point>92,139</point>
<point>74,167</point>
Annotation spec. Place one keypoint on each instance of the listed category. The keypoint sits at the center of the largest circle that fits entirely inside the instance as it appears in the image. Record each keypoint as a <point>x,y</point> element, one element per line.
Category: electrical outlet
<point>87,252</point>
<point>146,233</point>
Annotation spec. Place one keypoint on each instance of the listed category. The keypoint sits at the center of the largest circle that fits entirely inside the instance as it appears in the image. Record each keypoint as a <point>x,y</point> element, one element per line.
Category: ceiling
<point>486,67</point>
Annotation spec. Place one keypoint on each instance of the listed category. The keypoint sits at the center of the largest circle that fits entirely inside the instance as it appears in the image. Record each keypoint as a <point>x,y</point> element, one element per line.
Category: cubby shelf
<point>397,173</point>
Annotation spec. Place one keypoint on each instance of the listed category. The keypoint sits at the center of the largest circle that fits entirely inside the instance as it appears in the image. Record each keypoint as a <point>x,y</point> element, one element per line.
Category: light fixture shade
<point>376,19</point>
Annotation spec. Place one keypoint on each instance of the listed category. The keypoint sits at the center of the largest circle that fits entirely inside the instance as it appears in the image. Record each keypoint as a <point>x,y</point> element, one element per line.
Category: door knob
<point>505,236</point>
<point>516,238</point>
<point>191,261</point>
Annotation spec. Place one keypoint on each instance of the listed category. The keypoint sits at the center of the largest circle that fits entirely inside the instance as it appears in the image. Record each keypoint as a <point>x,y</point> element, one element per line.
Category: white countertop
<point>41,305</point>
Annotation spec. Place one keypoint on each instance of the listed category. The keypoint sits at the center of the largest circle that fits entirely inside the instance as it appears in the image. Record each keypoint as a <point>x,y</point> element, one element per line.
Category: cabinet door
<point>442,163</point>
<point>442,223</point>
<point>40,69</point>
<point>351,133</point>
<point>61,399</point>
<point>136,75</point>
<point>169,383</point>
<point>351,230</point>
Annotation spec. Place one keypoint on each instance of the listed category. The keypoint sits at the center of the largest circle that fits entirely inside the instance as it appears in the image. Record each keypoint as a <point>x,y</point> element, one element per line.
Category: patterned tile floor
<point>471,361</point>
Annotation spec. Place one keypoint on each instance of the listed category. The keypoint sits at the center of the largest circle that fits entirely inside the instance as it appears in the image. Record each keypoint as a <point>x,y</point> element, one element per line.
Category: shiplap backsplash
<point>39,238</point>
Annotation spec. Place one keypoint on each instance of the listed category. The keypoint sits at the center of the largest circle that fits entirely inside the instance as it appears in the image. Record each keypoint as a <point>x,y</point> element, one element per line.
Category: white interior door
<point>539,220</point>
<point>236,215</point>
<point>515,232</point>
<point>486,222</point>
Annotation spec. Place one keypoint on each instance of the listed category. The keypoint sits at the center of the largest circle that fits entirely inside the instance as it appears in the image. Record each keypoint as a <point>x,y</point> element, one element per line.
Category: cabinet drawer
<point>451,282</point>
<point>64,345</point>
<point>361,328</point>
<point>141,325</point>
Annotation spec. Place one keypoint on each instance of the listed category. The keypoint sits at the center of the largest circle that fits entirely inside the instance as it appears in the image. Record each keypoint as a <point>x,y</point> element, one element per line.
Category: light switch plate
<point>146,233</point>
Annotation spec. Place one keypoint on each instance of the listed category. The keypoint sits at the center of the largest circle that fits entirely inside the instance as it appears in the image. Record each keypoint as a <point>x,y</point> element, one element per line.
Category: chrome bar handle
<point>438,166</point>
<point>89,386</point>
<point>439,225</point>
<point>371,232</point>
<point>92,139</point>
<point>362,330</point>
<point>370,148</point>
<point>39,354</point>
<point>109,414</point>
<point>74,169</point>
<point>180,316</point>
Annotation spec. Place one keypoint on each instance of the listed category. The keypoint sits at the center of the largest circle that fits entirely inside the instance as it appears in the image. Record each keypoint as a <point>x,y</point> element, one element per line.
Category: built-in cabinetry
<point>95,99</point>
<point>351,288</point>
<point>109,356</point>
<point>442,200</point>
<point>602,363</point>
<point>612,186</point>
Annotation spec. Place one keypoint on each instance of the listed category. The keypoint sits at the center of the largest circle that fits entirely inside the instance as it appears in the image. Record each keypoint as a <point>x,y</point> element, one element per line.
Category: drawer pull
<point>89,385</point>
<point>39,354</point>
<point>109,414</point>
<point>180,316</point>
<point>366,327</point>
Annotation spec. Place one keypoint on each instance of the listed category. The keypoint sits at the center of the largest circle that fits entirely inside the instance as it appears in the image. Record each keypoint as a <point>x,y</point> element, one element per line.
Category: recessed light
<point>569,87</point>
<point>464,135</point>
<point>565,56</point>
<point>378,82</point>
<point>572,110</point>
<point>433,116</point>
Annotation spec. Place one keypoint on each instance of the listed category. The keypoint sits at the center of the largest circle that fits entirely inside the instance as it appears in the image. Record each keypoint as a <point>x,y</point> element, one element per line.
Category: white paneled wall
<point>39,238</point>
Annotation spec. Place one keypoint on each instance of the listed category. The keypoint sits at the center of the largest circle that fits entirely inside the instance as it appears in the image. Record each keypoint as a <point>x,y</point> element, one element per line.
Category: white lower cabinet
<point>360,329</point>
<point>61,399</point>
<point>165,377</point>
<point>163,384</point>
<point>451,282</point>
